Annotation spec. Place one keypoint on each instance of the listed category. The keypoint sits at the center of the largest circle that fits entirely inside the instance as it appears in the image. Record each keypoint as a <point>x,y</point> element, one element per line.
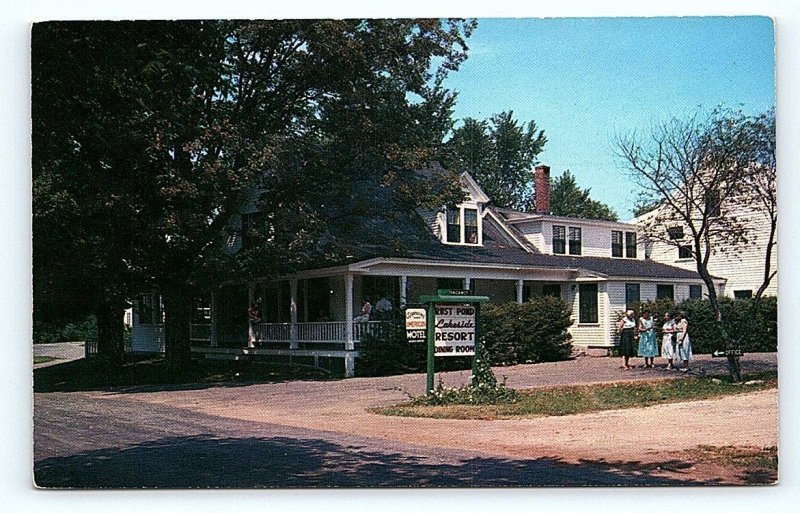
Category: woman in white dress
<point>669,344</point>
<point>684,343</point>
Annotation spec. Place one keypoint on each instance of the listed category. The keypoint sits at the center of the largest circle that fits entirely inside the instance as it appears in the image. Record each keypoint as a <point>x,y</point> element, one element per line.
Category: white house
<point>596,266</point>
<point>742,266</point>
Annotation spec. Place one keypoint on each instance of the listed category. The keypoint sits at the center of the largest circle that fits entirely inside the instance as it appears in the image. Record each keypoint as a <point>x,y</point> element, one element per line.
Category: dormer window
<point>454,225</point>
<point>463,226</point>
<point>470,226</point>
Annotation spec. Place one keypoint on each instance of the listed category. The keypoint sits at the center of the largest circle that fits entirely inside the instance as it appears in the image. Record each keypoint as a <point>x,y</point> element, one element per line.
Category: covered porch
<point>318,313</point>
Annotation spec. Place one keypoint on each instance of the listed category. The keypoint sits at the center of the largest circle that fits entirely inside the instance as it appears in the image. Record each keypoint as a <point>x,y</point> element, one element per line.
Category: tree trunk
<point>768,274</point>
<point>712,290</point>
<point>177,320</point>
<point>110,332</point>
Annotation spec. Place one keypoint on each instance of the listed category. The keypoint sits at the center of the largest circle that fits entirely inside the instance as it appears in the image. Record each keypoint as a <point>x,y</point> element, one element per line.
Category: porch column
<point>348,312</point>
<point>251,295</point>
<point>520,288</point>
<point>305,300</point>
<point>293,313</point>
<point>467,282</point>
<point>403,289</point>
<point>214,342</point>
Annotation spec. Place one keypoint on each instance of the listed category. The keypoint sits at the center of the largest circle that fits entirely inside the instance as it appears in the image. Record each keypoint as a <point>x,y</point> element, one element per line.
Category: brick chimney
<point>541,176</point>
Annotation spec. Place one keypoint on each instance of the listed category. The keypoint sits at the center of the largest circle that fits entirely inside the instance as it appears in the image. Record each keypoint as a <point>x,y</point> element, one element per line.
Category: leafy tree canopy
<point>499,153</point>
<point>567,199</point>
<point>149,136</point>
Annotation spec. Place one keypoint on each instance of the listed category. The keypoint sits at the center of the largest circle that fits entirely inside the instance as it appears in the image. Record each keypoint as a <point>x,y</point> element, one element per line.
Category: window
<point>684,252</point>
<point>616,244</point>
<point>463,226</point>
<point>630,244</point>
<point>574,240</point>
<point>145,309</point>
<point>632,294</point>
<point>587,303</point>
<point>742,294</point>
<point>675,232</point>
<point>665,292</point>
<point>559,240</point>
<point>470,226</point>
<point>712,203</point>
<point>454,225</point>
<point>695,291</point>
<point>551,289</point>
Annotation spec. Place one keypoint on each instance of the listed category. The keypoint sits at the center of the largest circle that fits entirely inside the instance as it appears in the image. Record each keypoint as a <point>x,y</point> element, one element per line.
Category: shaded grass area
<point>758,464</point>
<point>43,359</point>
<point>568,400</point>
<point>153,371</point>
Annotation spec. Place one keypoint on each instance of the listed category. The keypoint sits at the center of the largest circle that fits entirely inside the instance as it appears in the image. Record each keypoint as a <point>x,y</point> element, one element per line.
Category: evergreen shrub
<point>530,332</point>
<point>50,332</point>
<point>388,352</point>
<point>753,323</point>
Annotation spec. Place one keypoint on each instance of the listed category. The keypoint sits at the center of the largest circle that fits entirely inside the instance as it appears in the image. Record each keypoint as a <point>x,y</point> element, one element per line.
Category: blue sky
<point>583,80</point>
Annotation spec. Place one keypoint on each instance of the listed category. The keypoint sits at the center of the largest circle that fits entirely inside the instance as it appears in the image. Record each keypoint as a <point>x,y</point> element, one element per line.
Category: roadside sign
<point>454,330</point>
<point>416,325</point>
<point>453,326</point>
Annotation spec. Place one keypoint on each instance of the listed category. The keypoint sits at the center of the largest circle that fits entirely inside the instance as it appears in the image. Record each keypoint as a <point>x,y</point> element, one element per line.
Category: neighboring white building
<point>598,267</point>
<point>741,266</point>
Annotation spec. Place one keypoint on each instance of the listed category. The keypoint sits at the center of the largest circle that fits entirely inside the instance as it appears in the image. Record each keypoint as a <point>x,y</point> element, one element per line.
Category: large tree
<point>567,199</point>
<point>699,171</point>
<point>500,154</point>
<point>168,127</point>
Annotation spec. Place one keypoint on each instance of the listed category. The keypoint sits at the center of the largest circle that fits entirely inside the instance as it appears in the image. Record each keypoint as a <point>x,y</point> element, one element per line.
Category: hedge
<point>530,332</point>
<point>49,332</point>
<point>753,323</point>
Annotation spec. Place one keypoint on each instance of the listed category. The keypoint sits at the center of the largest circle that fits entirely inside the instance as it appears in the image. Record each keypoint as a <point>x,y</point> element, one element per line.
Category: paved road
<point>287,435</point>
<point>128,444</point>
<point>63,351</point>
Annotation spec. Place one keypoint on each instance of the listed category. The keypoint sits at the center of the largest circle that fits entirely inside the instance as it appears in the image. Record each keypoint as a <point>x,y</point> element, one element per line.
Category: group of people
<point>381,312</point>
<point>676,347</point>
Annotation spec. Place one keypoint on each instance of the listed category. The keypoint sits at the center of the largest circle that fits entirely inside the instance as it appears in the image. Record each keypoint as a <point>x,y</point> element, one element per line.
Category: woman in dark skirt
<point>626,328</point>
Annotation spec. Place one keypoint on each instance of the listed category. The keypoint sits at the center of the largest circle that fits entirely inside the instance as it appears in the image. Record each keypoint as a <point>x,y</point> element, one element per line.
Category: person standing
<point>626,328</point>
<point>669,341</point>
<point>684,351</point>
<point>648,347</point>
<point>253,318</point>
<point>383,309</point>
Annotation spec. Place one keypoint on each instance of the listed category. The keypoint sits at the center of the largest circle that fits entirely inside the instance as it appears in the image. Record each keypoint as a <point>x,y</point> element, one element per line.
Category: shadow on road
<point>280,462</point>
<point>152,374</point>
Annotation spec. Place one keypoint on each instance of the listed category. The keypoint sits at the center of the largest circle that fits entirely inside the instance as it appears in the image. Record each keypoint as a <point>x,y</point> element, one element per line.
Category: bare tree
<point>697,169</point>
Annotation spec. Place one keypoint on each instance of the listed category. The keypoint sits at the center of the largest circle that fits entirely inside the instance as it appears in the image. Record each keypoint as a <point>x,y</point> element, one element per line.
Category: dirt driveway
<point>652,434</point>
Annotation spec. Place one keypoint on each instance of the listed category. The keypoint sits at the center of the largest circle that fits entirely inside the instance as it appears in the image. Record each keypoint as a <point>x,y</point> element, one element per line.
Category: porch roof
<point>611,267</point>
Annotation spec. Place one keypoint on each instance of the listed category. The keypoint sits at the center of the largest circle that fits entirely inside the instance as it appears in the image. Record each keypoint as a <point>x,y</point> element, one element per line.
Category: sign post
<point>452,326</point>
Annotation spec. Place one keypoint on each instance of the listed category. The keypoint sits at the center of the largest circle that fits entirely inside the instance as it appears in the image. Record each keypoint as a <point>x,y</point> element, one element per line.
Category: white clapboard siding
<point>584,335</point>
<point>742,266</point>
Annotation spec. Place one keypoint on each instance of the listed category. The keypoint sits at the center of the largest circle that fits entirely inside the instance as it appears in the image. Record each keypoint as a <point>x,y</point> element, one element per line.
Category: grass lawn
<point>752,458</point>
<point>568,400</point>
<point>153,371</point>
<point>43,359</point>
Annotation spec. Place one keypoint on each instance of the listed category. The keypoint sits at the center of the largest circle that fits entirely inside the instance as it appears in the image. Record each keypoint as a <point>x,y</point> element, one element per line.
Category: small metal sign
<point>416,325</point>
<point>727,352</point>
<point>453,292</point>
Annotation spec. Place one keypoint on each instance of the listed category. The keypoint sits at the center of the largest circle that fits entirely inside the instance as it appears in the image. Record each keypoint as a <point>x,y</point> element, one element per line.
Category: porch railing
<point>334,331</point>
